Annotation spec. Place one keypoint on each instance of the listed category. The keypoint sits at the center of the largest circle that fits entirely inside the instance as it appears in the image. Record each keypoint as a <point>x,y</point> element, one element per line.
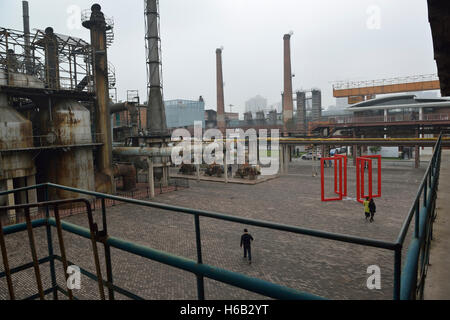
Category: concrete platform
<point>437,282</point>
<point>259,179</point>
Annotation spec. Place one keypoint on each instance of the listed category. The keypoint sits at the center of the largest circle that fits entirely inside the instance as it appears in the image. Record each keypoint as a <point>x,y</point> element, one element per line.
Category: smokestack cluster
<point>287,93</point>
<point>220,96</point>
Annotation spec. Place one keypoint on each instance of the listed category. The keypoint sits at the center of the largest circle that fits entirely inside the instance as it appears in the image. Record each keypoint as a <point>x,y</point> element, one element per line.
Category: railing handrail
<point>407,221</point>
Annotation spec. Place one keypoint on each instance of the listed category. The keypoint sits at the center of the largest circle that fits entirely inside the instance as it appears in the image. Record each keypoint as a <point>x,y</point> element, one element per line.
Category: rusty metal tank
<point>68,124</point>
<point>15,133</point>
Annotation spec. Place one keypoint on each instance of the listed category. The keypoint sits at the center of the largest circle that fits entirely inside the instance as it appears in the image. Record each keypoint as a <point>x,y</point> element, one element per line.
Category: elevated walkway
<point>437,283</point>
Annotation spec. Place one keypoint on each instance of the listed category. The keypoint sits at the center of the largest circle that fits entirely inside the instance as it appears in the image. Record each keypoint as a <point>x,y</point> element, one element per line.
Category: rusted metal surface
<point>128,174</point>
<point>15,132</point>
<point>98,27</point>
<point>69,125</point>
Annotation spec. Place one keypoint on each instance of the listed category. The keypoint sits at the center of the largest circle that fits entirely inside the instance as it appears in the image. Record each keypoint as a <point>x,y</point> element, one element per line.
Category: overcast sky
<point>332,40</point>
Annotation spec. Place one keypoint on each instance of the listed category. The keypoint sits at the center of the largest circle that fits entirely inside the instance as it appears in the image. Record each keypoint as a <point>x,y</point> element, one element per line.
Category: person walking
<point>366,208</point>
<point>246,240</point>
<point>372,209</point>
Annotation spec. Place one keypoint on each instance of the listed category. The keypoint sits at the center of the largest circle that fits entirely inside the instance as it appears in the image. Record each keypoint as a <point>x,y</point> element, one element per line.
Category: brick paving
<point>327,268</point>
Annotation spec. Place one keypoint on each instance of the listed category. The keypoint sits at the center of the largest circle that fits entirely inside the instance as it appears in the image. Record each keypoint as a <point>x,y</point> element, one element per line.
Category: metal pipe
<point>143,151</point>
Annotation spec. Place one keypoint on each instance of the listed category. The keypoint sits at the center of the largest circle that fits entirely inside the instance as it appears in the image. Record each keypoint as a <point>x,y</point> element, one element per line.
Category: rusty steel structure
<point>98,26</point>
<point>23,59</point>
<point>357,91</point>
<point>54,99</point>
<point>156,115</point>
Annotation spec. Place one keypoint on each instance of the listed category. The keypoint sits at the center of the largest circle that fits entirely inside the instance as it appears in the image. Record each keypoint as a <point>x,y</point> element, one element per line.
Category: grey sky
<point>331,41</point>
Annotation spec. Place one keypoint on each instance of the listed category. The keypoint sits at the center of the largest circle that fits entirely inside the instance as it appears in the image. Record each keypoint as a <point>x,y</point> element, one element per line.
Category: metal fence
<point>408,281</point>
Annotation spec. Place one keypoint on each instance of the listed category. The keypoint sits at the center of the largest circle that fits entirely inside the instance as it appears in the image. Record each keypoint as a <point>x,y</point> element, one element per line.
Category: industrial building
<point>179,113</point>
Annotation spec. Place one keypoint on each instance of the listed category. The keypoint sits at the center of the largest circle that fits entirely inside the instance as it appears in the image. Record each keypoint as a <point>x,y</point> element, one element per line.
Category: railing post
<point>417,219</point>
<point>425,192</point>
<point>50,248</point>
<point>200,282</point>
<point>109,275</point>
<point>397,272</point>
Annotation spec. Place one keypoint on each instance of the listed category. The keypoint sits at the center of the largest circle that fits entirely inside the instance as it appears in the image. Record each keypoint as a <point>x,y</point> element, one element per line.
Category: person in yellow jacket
<point>366,208</point>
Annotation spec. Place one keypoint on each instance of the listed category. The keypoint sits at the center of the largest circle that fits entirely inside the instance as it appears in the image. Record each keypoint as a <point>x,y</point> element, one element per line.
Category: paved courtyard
<point>327,268</point>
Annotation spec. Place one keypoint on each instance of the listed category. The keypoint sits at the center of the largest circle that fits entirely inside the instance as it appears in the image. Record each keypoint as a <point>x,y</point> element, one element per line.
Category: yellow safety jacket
<point>366,206</point>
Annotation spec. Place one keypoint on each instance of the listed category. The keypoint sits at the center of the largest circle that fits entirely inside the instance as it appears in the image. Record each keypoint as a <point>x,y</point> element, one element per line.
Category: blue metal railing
<point>406,282</point>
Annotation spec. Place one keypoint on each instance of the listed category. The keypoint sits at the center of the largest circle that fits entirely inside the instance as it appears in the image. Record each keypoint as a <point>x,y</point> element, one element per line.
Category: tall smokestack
<point>156,114</point>
<point>220,96</point>
<point>287,93</point>
<point>26,33</point>
<point>98,27</point>
<point>301,110</point>
<point>316,111</point>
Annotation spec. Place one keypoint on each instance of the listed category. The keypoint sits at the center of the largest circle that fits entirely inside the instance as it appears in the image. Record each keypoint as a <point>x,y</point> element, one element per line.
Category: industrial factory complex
<point>147,198</point>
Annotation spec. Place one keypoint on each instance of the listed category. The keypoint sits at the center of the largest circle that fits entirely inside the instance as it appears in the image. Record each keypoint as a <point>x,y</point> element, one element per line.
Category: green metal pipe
<point>23,226</point>
<point>23,189</point>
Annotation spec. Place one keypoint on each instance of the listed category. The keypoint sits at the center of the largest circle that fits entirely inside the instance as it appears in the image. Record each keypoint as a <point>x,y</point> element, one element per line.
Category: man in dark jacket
<point>246,240</point>
<point>372,209</point>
